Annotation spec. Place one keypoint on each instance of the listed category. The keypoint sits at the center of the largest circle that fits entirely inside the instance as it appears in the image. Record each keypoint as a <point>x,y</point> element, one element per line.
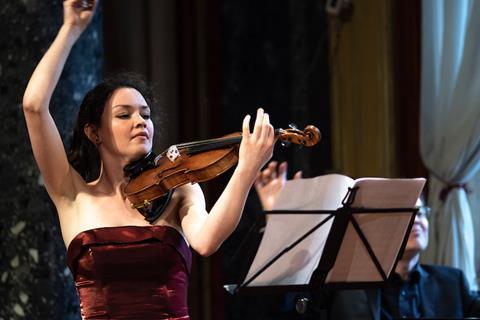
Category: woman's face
<point>126,129</point>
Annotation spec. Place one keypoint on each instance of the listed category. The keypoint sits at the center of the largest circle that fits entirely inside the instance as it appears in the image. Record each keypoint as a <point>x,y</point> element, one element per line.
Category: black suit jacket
<point>444,294</point>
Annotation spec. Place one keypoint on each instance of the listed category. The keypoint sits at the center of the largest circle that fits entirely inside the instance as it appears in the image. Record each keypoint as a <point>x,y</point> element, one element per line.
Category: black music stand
<point>360,249</point>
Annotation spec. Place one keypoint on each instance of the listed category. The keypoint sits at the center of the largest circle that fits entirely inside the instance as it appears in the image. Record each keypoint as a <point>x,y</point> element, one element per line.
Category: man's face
<point>418,239</point>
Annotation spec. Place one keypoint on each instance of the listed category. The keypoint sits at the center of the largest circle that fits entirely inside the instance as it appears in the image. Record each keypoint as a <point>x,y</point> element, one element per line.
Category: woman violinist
<point>123,266</point>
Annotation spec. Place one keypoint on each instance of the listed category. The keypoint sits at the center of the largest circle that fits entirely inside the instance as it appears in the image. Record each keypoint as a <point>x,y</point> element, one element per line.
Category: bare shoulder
<point>190,194</point>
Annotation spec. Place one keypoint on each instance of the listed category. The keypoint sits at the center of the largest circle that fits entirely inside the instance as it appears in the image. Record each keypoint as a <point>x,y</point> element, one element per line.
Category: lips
<point>140,134</point>
<point>416,230</point>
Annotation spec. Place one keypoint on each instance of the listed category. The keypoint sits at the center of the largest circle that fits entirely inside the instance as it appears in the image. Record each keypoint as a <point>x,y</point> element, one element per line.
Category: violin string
<point>209,144</point>
<point>209,141</point>
<point>223,139</point>
<point>213,144</point>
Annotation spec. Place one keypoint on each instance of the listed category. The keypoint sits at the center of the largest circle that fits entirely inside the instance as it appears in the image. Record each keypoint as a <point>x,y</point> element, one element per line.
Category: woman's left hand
<point>256,147</point>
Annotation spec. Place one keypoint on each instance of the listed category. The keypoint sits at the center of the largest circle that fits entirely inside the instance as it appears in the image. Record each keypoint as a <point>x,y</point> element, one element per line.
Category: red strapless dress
<point>131,272</point>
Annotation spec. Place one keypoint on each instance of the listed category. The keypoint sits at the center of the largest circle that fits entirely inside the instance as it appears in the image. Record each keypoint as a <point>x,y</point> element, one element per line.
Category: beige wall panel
<point>362,105</point>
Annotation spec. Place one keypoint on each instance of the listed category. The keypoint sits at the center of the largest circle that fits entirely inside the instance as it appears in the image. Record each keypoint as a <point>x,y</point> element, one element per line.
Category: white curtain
<point>475,206</point>
<point>450,126</point>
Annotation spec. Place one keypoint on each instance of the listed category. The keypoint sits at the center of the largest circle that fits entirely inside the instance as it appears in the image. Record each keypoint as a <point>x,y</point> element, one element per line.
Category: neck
<point>406,264</point>
<point>111,179</point>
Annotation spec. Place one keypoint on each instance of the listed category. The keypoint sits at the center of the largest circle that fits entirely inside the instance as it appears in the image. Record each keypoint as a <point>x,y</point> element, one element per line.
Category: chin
<point>139,154</point>
<point>417,246</point>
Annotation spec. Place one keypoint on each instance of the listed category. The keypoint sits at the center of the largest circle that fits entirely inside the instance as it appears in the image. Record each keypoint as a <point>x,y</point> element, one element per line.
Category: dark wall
<point>141,36</point>
<point>273,54</point>
<point>407,68</point>
<point>34,280</point>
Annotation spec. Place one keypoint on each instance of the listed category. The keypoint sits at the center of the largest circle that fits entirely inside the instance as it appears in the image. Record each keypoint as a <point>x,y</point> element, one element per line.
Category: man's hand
<point>270,182</point>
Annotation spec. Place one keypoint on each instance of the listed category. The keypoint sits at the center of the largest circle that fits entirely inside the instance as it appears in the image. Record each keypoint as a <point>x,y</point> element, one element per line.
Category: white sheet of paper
<point>387,193</point>
<point>297,265</point>
<point>383,231</point>
<point>282,230</point>
<point>319,193</point>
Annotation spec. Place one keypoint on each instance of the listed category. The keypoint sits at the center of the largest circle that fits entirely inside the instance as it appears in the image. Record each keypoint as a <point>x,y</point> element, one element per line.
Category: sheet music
<point>326,193</point>
<point>319,193</point>
<point>384,233</point>
<point>296,267</point>
<point>387,193</point>
<point>353,263</point>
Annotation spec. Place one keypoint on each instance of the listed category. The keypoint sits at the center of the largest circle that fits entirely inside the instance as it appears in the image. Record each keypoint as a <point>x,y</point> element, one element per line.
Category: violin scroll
<point>310,136</point>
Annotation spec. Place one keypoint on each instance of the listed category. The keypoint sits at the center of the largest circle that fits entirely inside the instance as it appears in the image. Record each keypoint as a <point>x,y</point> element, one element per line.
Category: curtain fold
<point>450,126</point>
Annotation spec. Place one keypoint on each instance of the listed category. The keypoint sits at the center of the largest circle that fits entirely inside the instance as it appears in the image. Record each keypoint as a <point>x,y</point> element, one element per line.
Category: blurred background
<point>350,67</point>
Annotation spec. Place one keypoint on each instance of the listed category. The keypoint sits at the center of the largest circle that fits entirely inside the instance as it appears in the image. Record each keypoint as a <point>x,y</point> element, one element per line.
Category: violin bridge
<point>172,153</point>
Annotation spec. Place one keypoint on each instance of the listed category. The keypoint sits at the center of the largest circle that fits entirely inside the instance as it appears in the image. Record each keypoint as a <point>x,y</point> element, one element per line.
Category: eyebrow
<point>128,106</point>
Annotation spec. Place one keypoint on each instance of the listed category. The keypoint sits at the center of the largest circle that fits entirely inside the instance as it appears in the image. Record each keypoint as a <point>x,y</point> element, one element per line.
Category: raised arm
<point>44,136</point>
<point>206,233</point>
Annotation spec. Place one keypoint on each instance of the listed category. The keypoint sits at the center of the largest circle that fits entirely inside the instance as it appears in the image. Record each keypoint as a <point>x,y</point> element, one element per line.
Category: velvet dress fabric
<point>131,272</point>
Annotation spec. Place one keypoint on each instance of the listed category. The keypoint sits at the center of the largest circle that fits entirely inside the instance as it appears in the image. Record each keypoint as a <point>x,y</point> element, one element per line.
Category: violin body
<point>198,162</point>
<point>186,169</point>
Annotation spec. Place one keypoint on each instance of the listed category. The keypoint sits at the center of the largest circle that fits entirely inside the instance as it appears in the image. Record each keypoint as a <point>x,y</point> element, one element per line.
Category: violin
<point>195,162</point>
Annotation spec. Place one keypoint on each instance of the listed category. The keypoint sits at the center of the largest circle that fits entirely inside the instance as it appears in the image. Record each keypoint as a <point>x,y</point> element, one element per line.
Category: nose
<point>140,121</point>
<point>421,221</point>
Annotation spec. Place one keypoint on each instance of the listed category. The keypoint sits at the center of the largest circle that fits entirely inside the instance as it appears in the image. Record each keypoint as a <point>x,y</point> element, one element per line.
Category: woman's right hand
<point>78,13</point>
<point>270,182</point>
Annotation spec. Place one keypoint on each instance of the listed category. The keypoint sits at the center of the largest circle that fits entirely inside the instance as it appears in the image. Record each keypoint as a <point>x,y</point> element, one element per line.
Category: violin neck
<point>211,144</point>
